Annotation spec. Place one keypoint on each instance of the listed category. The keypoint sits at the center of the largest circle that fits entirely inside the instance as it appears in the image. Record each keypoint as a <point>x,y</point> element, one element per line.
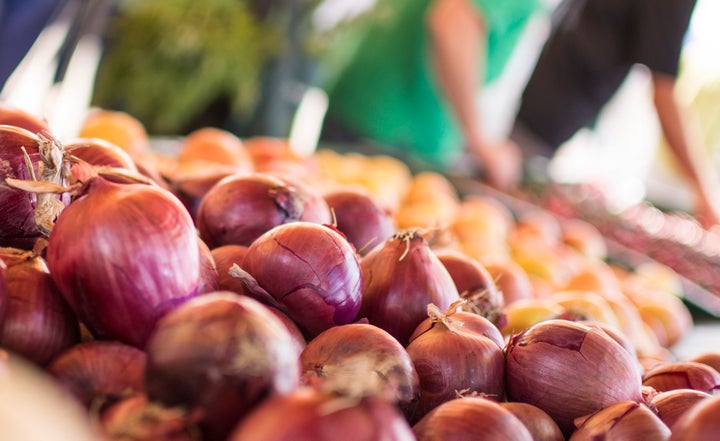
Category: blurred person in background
<point>591,49</point>
<point>411,84</point>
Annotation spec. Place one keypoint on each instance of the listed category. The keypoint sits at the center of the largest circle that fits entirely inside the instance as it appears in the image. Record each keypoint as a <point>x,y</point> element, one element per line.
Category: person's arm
<point>458,38</point>
<point>685,142</point>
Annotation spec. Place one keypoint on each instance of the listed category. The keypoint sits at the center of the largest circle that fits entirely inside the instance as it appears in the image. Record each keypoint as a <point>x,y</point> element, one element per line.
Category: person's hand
<point>500,162</point>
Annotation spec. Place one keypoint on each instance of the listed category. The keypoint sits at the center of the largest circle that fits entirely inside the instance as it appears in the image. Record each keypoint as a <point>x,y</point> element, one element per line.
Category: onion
<point>359,360</point>
<point>225,257</point>
<point>123,255</point>
<point>451,358</point>
<point>3,289</point>
<point>98,373</point>
<point>700,423</point>
<point>220,354</point>
<point>209,278</point>
<point>14,116</point>
<point>541,426</point>
<point>471,418</point>
<point>136,419</point>
<point>311,270</point>
<point>359,215</point>
<point>315,207</point>
<point>401,277</point>
<point>624,420</point>
<point>682,375</point>
<point>569,370</point>
<point>38,323</point>
<point>25,215</point>
<point>239,208</point>
<point>310,415</point>
<point>34,408</point>
<point>474,283</point>
<point>99,153</point>
<point>671,405</point>
<point>511,280</point>
<point>711,359</point>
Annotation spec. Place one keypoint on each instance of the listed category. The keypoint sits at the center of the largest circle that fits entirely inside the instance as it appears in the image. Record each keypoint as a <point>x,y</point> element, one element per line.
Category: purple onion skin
<point>699,423</point>
<point>312,270</point>
<point>569,370</point>
<point>3,290</point>
<point>17,222</point>
<point>361,218</point>
<point>100,372</point>
<point>225,256</point>
<point>220,354</point>
<point>624,420</point>
<point>309,415</point>
<point>123,255</point>
<point>38,323</point>
<point>209,280</point>
<point>241,207</point>
<point>400,278</point>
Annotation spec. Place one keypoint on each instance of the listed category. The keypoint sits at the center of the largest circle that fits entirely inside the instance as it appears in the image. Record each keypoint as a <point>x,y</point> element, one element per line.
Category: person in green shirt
<point>412,81</point>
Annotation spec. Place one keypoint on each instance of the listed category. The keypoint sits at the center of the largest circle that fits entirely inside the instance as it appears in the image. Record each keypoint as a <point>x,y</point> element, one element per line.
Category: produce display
<point>231,290</point>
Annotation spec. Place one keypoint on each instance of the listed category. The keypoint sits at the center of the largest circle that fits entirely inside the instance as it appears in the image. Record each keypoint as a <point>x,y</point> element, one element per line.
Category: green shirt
<point>387,91</point>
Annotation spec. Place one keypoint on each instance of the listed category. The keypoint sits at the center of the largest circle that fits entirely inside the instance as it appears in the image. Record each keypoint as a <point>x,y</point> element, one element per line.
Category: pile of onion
<point>123,255</point>
<point>401,276</point>
<point>624,420</point>
<point>38,323</point>
<point>220,354</point>
<point>456,352</point>
<point>700,423</point>
<point>671,405</point>
<point>569,370</point>
<point>311,272</point>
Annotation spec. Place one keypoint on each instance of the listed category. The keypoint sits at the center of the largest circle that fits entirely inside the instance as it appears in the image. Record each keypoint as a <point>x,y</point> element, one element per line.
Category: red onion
<point>359,360</point>
<point>220,354</point>
<point>225,256</point>
<point>700,423</point>
<point>471,418</point>
<point>451,358</point>
<point>100,153</point>
<point>474,283</point>
<point>711,359</point>
<point>401,277</point>
<point>671,405</point>
<point>25,215</point>
<point>3,289</point>
<point>511,280</point>
<point>191,186</point>
<point>209,279</point>
<point>241,207</point>
<point>540,425</point>
<point>123,255</point>
<point>622,421</point>
<point>361,217</point>
<point>682,375</point>
<point>315,207</point>
<point>99,373</point>
<point>38,323</point>
<point>311,270</point>
<point>136,419</point>
<point>14,116</point>
<point>310,415</point>
<point>569,370</point>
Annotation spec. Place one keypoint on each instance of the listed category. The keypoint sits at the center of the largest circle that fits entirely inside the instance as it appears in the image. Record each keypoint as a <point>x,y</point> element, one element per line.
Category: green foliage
<point>167,61</point>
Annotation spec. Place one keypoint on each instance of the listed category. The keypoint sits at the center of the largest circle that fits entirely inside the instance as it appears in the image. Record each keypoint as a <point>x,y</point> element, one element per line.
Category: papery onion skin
<point>711,359</point>
<point>625,420</point>
<point>18,227</point>
<point>540,425</point>
<point>310,415</point>
<point>682,375</point>
<point>14,116</point>
<point>359,215</point>
<point>99,373</point>
<point>136,419</point>
<point>358,360</point>
<point>241,207</point>
<point>700,423</point>
<point>100,153</point>
<point>209,279</point>
<point>401,277</point>
<point>671,405</point>
<point>225,256</point>
<point>3,290</point>
<point>38,322</point>
<point>312,270</point>
<point>450,358</point>
<point>123,255</point>
<point>471,419</point>
<point>220,354</point>
<point>569,370</point>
